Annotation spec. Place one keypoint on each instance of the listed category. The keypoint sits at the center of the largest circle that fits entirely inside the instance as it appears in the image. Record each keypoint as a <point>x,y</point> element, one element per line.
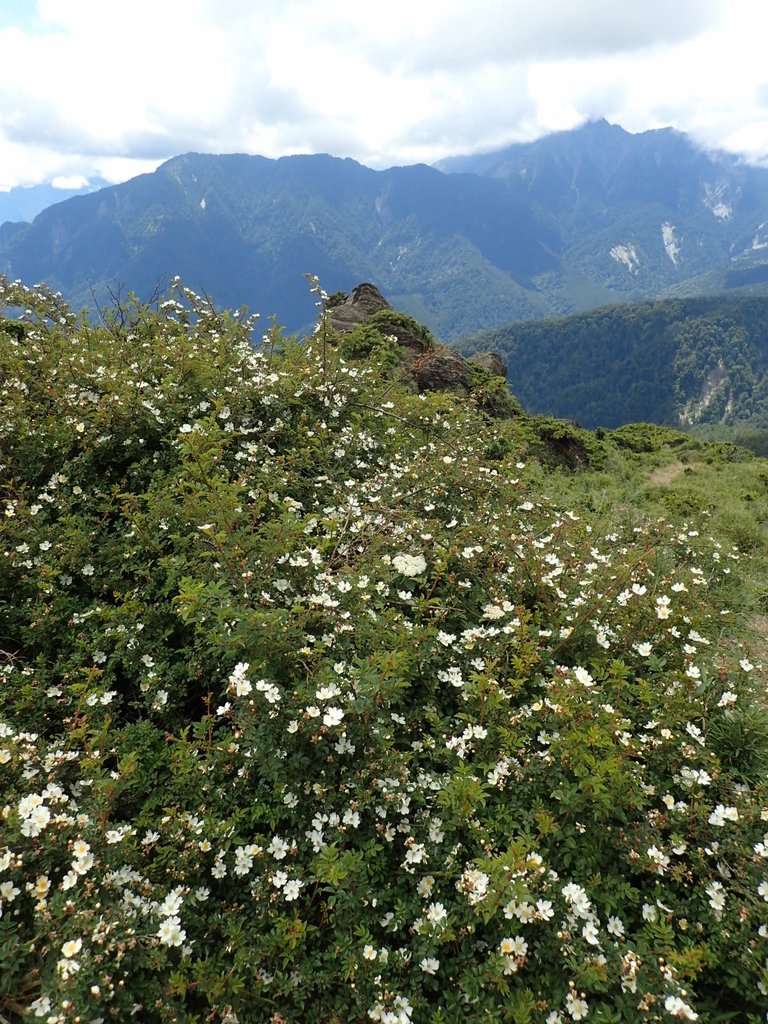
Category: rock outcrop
<point>490,361</point>
<point>362,302</point>
<point>443,370</point>
<point>431,365</point>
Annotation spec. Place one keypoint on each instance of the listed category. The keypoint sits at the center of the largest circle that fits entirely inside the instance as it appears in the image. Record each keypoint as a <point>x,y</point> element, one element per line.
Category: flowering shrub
<point>313,711</point>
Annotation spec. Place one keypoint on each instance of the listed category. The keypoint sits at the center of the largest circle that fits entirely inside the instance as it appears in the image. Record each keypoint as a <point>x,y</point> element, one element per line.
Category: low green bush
<point>311,714</point>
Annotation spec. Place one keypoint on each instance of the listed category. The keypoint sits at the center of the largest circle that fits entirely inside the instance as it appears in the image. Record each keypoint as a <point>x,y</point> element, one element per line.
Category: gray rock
<point>442,370</point>
<point>361,303</point>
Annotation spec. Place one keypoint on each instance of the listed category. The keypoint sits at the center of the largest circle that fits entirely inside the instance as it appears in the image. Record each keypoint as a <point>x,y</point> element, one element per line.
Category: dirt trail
<point>758,624</point>
<point>666,474</point>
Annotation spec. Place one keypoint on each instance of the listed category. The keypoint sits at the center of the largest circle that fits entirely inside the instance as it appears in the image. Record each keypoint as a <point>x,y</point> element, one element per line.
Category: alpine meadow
<point>329,696</point>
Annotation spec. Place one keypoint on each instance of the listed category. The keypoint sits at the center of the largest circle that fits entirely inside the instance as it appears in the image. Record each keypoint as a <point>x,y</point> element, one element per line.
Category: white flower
<point>451,675</point>
<point>675,1006</point>
<point>333,716</point>
<point>239,684</point>
<point>291,889</point>
<point>578,899</point>
<point>716,894</point>
<point>8,892</point>
<point>270,691</point>
<point>41,1006</point>
<point>660,859</point>
<point>524,912</point>
<point>722,814</point>
<point>583,677</point>
<point>243,860</point>
<point>72,948</point>
<point>475,884</point>
<point>576,1007</point>
<point>170,932</point>
<point>513,947</point>
<point>82,865</point>
<point>544,910</point>
<point>615,927</point>
<point>410,565</point>
<point>429,965</point>
<point>278,848</point>
<point>650,913</point>
<point>492,611</point>
<point>171,904</point>
<point>117,835</point>
<point>589,931</point>
<point>436,913</point>
<point>424,888</point>
<point>36,821</point>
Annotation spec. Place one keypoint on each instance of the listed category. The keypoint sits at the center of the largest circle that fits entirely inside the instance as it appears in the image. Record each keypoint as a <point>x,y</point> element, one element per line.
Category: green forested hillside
<point>324,699</point>
<point>678,362</point>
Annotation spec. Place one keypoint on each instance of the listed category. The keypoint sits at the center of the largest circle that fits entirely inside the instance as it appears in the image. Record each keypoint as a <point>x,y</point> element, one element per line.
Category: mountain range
<point>575,220</point>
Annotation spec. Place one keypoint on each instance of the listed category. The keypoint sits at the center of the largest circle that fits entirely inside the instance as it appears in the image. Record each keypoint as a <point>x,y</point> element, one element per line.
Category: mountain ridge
<point>599,215</point>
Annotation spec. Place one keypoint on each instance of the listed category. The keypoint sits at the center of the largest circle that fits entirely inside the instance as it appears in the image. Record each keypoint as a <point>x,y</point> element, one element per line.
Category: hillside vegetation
<point>681,362</point>
<point>325,700</point>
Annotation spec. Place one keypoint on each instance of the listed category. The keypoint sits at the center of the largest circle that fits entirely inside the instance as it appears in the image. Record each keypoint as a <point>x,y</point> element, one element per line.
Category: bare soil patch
<point>666,474</point>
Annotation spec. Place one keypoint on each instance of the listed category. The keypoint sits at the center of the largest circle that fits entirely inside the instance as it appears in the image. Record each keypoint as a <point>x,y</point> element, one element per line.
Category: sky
<point>112,88</point>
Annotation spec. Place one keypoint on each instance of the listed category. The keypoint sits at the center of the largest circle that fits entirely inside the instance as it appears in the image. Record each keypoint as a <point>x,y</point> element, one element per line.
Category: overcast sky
<point>114,87</point>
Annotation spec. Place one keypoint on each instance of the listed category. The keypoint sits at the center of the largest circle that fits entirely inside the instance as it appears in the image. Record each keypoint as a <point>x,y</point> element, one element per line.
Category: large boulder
<point>443,369</point>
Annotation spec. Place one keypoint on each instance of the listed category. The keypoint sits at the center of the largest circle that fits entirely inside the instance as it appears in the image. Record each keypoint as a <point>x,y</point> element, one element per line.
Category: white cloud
<point>67,181</point>
<point>453,35</point>
<point>115,88</point>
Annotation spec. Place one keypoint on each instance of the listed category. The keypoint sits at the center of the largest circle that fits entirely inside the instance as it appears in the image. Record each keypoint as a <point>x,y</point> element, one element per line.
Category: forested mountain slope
<point>679,362</point>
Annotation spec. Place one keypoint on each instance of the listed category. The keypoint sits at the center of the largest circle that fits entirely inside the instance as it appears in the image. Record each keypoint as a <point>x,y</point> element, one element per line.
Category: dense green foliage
<point>679,362</point>
<point>325,701</point>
